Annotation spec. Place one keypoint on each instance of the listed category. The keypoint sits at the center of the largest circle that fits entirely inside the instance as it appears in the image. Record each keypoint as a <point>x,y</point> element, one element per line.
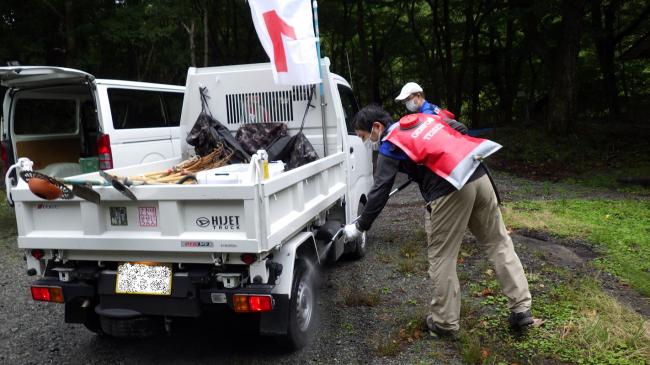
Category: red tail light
<point>38,254</point>
<point>260,303</point>
<point>5,158</point>
<point>104,152</point>
<point>47,294</point>
<point>248,258</point>
<point>252,303</point>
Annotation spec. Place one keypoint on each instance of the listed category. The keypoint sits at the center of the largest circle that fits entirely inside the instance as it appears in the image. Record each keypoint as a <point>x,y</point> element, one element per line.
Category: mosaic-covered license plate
<point>144,278</point>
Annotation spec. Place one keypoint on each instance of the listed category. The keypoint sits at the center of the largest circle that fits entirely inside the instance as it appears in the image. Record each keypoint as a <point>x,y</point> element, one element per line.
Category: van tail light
<point>104,152</point>
<point>244,303</point>
<point>5,158</point>
<point>47,294</point>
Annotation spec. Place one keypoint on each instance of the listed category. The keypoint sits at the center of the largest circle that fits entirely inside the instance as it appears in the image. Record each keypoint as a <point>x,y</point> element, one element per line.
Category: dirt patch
<point>564,253</point>
<point>577,256</point>
<point>626,295</point>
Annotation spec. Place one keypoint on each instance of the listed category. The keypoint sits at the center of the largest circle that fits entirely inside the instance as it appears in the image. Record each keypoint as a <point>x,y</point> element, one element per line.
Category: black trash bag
<point>207,133</point>
<point>294,150</point>
<point>303,152</point>
<point>258,136</point>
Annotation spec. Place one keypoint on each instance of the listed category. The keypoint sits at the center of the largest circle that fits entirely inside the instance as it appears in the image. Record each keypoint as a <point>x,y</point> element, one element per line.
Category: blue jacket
<point>428,108</point>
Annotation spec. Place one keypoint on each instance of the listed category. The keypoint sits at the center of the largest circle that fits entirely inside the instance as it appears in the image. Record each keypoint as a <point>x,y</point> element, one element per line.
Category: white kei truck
<point>247,248</point>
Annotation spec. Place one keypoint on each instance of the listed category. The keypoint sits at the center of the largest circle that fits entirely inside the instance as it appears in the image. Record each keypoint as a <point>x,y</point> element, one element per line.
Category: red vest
<point>429,141</point>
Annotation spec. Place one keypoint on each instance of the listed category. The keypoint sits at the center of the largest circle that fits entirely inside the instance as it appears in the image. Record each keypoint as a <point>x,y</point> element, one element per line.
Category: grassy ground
<point>584,324</point>
<point>618,228</point>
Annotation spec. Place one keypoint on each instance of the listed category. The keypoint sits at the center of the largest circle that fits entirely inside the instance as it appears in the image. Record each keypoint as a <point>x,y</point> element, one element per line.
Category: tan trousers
<point>475,205</point>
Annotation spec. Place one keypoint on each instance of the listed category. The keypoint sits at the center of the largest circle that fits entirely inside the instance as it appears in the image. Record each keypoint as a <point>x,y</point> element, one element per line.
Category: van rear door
<point>41,118</point>
<point>22,77</point>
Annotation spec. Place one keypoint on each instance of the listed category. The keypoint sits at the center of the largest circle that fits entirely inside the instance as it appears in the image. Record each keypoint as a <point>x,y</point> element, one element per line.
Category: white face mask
<point>372,145</point>
<point>411,105</point>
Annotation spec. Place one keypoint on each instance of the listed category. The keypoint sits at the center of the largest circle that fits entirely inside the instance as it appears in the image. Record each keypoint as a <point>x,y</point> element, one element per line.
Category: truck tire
<point>302,307</point>
<point>361,242</point>
<point>132,328</point>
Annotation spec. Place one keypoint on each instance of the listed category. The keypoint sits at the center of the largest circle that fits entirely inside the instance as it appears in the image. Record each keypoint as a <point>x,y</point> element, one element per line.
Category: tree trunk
<point>457,102</point>
<point>562,96</point>
<point>510,88</point>
<point>430,54</point>
<point>448,69</point>
<point>206,33</point>
<point>363,48</point>
<point>190,33</point>
<point>436,46</point>
<point>603,35</point>
<point>475,105</point>
<point>70,39</point>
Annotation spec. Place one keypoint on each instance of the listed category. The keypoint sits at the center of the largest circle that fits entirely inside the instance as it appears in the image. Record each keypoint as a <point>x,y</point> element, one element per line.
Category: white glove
<point>351,232</point>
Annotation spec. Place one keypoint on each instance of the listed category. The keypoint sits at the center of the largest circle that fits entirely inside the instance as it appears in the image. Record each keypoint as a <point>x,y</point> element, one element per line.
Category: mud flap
<point>276,322</point>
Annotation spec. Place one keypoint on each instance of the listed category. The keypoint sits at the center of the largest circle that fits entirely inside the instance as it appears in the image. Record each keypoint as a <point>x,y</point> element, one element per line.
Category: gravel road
<point>391,280</point>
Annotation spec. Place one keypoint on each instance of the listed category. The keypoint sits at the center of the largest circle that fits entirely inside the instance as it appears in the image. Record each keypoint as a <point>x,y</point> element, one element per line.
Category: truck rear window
<point>44,116</point>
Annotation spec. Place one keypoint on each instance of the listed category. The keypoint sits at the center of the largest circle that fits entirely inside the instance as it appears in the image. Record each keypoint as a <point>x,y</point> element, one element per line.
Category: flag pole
<point>323,104</point>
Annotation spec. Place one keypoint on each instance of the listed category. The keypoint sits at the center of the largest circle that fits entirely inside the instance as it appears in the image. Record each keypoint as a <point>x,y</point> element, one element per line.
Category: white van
<point>69,122</point>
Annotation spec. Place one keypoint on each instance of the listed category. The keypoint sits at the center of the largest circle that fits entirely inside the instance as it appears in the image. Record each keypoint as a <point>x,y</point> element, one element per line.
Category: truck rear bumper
<point>188,299</point>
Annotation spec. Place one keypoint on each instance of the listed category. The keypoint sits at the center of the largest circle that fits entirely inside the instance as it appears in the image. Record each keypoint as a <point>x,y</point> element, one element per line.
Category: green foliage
<point>583,325</point>
<point>488,62</point>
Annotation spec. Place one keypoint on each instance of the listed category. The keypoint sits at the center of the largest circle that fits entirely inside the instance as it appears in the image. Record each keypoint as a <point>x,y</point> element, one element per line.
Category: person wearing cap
<point>412,96</point>
<point>451,211</point>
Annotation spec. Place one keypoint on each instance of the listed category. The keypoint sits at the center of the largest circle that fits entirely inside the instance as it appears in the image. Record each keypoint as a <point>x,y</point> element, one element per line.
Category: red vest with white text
<point>429,141</point>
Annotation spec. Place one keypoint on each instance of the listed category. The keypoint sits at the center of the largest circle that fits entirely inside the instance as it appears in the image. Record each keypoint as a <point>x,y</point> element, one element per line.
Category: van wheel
<point>361,242</point>
<point>302,307</point>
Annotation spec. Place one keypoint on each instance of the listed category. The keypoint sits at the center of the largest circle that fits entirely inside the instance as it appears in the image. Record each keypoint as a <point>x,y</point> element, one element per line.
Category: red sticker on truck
<point>148,217</point>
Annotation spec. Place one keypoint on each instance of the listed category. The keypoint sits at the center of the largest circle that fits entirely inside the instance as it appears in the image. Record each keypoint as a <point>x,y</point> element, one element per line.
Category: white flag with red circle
<point>286,31</point>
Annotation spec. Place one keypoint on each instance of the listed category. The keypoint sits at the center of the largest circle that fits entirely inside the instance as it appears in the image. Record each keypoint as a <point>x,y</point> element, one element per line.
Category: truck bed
<point>180,223</point>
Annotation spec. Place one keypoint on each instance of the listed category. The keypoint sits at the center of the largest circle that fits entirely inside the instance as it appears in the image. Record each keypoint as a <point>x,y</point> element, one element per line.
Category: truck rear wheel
<point>302,307</point>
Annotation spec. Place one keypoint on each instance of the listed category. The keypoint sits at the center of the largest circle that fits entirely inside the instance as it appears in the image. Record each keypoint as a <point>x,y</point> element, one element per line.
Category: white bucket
<point>237,173</point>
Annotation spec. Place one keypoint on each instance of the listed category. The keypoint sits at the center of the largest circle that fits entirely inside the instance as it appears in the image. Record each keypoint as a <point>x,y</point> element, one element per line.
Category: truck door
<point>360,155</point>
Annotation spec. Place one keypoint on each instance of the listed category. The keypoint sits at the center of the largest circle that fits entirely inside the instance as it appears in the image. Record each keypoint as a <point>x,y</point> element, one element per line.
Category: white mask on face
<point>374,145</point>
<point>411,105</point>
<point>370,144</point>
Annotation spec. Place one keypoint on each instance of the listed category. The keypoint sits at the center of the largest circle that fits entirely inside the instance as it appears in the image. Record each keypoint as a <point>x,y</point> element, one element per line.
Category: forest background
<point>493,63</point>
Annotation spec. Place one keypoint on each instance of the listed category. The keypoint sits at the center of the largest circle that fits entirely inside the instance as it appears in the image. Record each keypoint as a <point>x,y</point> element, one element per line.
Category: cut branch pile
<point>219,157</point>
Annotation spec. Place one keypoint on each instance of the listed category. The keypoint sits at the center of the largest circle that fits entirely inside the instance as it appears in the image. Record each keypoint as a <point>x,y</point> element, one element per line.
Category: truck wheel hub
<point>305,305</point>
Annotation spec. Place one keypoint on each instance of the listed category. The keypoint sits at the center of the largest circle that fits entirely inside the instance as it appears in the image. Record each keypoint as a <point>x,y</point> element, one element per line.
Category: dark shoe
<point>520,320</point>
<point>441,332</point>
